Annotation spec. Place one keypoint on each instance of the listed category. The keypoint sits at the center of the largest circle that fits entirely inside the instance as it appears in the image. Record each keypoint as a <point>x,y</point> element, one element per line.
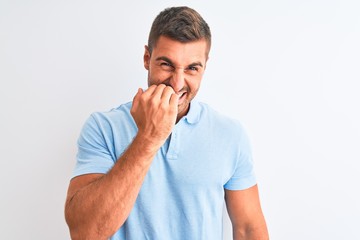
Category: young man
<point>160,166</point>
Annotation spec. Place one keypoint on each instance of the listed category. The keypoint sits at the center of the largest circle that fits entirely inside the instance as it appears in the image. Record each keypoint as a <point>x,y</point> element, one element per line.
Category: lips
<point>182,96</point>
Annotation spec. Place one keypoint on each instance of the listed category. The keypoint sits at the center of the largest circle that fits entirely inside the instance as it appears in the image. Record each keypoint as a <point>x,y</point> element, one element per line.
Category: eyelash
<point>166,64</point>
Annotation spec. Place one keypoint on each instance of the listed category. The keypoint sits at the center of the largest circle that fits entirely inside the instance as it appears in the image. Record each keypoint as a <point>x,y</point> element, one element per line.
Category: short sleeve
<point>93,154</point>
<point>244,175</point>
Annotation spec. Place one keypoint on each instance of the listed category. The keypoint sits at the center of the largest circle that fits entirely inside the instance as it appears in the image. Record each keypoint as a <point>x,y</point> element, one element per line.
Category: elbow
<point>83,233</point>
<point>81,228</point>
<point>74,225</point>
<point>80,233</point>
<point>71,222</point>
<point>76,236</point>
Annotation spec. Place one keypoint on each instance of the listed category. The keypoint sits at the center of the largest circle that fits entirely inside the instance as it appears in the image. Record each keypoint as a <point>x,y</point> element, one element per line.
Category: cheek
<point>157,76</point>
<point>194,84</point>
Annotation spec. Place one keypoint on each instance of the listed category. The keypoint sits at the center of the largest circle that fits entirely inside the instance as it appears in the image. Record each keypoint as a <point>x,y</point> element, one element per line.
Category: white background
<point>289,70</point>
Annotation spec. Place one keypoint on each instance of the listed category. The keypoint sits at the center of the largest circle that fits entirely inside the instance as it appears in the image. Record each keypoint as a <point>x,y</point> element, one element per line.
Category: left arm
<point>245,214</point>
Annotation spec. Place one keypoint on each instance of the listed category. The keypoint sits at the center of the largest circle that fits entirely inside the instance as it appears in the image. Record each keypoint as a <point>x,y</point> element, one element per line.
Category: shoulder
<point>114,115</point>
<point>122,111</point>
<point>218,119</point>
<point>222,127</point>
<point>108,121</point>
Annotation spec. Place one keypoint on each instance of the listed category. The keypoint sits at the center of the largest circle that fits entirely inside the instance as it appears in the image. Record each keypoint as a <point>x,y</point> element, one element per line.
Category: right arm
<point>97,205</point>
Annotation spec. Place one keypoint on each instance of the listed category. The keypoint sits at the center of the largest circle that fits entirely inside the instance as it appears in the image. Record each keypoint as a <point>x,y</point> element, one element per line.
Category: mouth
<point>182,96</point>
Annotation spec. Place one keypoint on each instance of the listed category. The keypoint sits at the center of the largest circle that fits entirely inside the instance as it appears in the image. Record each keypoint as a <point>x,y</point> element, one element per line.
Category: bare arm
<point>97,205</point>
<point>246,215</point>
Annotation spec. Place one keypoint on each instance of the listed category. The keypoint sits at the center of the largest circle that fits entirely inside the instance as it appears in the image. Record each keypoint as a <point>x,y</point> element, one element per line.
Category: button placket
<point>173,150</point>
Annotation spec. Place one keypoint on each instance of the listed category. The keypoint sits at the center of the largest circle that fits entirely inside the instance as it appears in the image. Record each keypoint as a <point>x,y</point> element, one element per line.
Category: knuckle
<point>163,105</point>
<point>153,102</point>
<point>160,87</point>
<point>143,98</point>
<point>152,87</point>
<point>172,110</point>
<point>169,89</point>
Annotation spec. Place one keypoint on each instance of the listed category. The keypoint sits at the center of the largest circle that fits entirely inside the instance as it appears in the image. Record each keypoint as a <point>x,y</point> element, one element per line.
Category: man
<point>159,167</point>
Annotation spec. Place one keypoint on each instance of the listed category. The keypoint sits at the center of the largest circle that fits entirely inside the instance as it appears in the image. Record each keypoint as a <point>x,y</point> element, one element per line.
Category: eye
<point>193,68</point>
<point>166,66</point>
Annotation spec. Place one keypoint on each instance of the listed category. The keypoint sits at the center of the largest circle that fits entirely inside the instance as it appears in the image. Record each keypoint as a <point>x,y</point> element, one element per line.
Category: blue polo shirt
<point>182,196</point>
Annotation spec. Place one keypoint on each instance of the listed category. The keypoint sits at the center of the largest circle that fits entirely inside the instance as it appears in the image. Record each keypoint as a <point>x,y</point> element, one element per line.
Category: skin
<point>178,65</point>
<point>245,213</point>
<point>97,205</point>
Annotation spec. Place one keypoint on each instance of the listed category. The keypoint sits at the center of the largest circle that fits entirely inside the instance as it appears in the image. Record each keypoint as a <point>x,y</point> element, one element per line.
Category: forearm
<point>258,233</point>
<point>97,207</point>
<point>97,210</point>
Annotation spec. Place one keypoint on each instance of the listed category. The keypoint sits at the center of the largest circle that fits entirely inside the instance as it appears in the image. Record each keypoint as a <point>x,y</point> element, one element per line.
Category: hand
<point>154,112</point>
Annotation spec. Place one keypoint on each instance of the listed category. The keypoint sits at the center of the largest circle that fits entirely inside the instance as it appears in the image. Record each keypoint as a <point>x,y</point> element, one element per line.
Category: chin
<point>183,108</point>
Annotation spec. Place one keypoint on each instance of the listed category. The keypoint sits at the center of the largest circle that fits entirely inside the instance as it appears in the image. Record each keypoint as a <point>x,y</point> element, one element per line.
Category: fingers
<point>154,111</point>
<point>174,100</point>
<point>137,97</point>
<point>159,92</point>
<point>166,94</point>
<point>150,91</point>
<point>138,94</point>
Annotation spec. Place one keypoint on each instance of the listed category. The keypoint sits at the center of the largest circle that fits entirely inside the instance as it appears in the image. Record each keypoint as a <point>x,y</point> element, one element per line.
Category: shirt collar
<point>193,116</point>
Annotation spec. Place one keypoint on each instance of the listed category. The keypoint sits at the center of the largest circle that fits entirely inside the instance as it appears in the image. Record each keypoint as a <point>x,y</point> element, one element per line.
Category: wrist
<point>146,144</point>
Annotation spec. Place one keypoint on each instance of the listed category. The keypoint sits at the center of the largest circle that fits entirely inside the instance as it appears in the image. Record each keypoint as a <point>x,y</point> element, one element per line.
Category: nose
<point>177,80</point>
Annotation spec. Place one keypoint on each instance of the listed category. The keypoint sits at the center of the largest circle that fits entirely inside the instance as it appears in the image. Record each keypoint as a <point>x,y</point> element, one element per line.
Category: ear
<point>147,58</point>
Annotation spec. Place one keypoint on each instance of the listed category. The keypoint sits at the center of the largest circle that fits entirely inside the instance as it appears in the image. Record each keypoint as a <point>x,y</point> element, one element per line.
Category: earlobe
<point>146,58</point>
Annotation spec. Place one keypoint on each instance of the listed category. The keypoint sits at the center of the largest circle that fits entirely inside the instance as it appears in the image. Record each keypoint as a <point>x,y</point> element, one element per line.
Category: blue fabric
<point>182,196</point>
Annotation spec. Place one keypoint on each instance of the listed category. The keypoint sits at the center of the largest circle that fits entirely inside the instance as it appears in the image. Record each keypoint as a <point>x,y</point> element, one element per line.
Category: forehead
<point>181,53</point>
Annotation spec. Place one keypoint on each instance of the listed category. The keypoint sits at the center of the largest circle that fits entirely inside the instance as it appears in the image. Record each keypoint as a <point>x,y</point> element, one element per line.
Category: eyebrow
<point>196,64</point>
<point>163,58</point>
<point>166,59</point>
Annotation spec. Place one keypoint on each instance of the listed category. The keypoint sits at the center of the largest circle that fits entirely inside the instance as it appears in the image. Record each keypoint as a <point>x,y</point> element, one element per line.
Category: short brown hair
<point>182,24</point>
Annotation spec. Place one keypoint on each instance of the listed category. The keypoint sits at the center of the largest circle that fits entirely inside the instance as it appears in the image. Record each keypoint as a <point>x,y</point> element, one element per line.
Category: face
<point>179,65</point>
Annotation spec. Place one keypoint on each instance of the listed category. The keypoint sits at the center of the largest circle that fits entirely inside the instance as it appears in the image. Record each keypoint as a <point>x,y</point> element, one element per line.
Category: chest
<point>190,160</point>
